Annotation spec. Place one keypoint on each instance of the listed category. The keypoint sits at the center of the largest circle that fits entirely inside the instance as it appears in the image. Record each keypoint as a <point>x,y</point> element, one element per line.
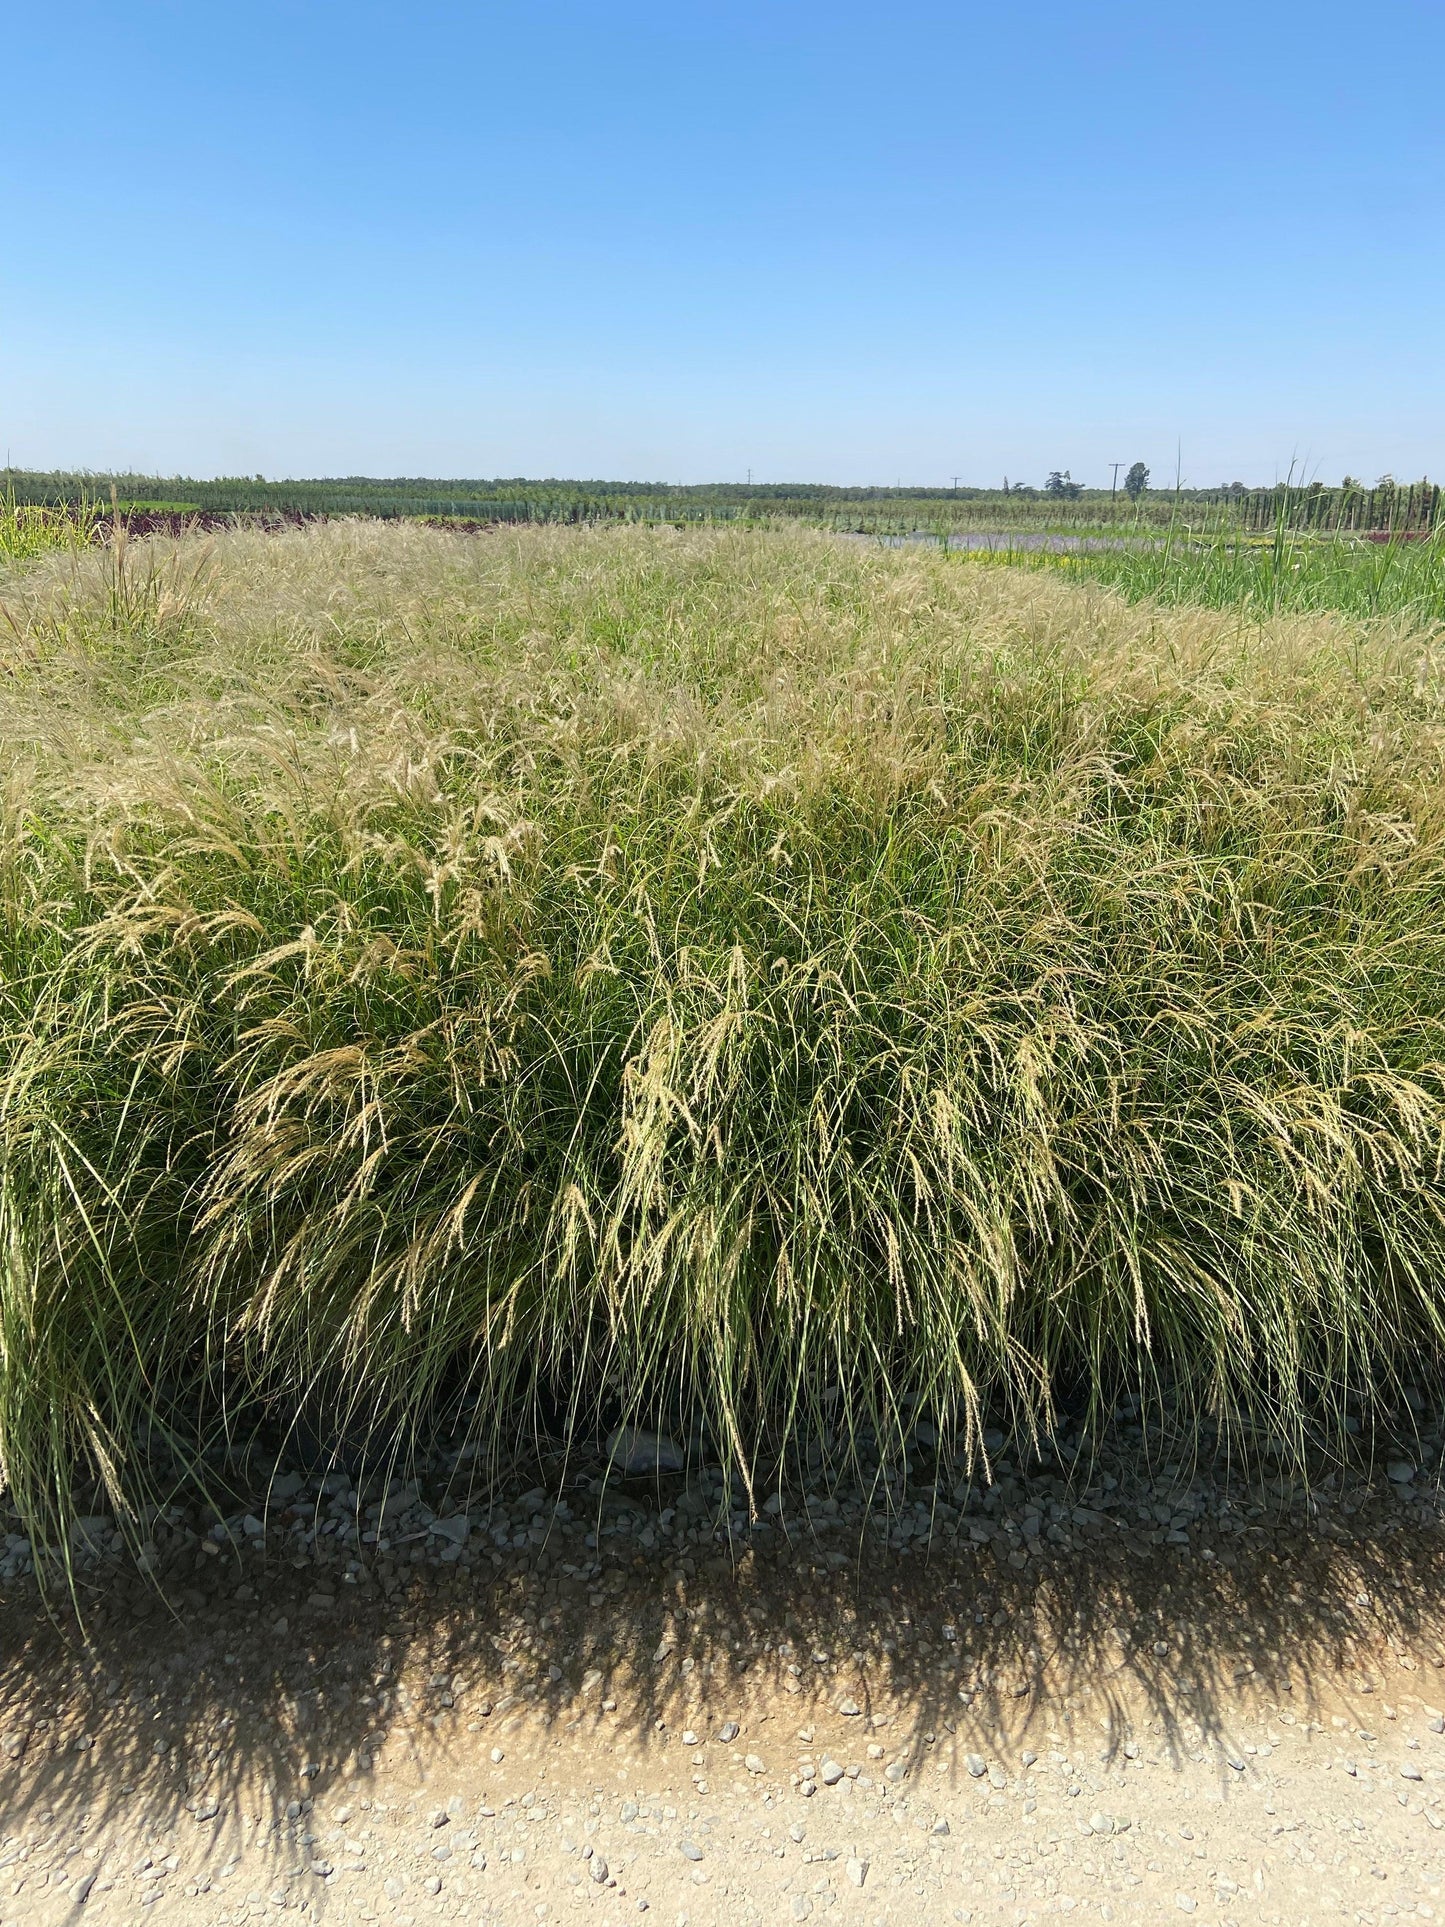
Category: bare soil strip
<point>1123,1733</point>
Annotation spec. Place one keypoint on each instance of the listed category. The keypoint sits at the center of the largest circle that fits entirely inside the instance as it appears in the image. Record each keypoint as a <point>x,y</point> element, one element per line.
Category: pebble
<point>729,1730</point>
<point>830,1773</point>
<point>636,1454</point>
<point>976,1767</point>
<point>691,1850</point>
<point>754,1763</point>
<point>858,1871</point>
<point>384,1522</point>
<point>1186,1903</point>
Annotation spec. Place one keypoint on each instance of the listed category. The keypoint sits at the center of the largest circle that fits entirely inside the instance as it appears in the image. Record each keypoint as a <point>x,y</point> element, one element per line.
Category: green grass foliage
<point>800,984</point>
<point>28,530</point>
<point>1219,569</point>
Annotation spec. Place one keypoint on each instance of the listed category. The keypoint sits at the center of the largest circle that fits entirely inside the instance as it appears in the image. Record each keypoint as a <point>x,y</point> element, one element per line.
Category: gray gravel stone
<point>637,1454</point>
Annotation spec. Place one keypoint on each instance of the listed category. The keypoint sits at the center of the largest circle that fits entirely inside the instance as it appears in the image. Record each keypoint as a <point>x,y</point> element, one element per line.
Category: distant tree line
<point>1387,504</point>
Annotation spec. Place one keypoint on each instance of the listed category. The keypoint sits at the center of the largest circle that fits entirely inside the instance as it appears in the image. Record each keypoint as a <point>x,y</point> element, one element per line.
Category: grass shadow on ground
<point>247,1698</point>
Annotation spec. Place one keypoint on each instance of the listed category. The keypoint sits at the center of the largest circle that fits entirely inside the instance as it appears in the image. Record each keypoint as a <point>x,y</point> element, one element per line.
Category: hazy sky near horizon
<point>679,243</point>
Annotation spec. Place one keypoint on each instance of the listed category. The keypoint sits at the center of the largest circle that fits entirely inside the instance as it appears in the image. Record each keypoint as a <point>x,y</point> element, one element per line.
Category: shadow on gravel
<point>247,1698</point>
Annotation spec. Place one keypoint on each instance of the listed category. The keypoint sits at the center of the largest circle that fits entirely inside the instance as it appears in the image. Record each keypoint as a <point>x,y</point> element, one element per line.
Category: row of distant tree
<point>1062,486</point>
<point>519,498</point>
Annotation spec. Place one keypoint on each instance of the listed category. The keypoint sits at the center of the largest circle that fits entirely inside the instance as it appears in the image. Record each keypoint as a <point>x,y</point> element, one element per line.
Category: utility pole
<point>955,485</point>
<point>750,478</point>
<point>1114,490</point>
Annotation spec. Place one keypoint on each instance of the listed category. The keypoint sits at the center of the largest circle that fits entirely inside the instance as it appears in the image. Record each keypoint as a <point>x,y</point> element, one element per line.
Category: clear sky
<point>830,242</point>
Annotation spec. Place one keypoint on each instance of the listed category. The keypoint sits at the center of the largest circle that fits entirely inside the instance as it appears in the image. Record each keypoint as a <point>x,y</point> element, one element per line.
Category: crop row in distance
<point>1387,507</point>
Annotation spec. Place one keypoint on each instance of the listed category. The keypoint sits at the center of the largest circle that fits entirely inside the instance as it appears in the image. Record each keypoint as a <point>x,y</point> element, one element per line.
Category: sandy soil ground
<point>1124,1734</point>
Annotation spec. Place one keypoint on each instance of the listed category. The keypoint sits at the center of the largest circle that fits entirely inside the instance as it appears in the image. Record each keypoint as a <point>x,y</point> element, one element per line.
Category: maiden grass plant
<point>730,977</point>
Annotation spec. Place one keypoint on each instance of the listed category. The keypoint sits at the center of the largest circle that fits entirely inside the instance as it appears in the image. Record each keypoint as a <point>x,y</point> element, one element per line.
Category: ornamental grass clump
<point>28,530</point>
<point>744,982</point>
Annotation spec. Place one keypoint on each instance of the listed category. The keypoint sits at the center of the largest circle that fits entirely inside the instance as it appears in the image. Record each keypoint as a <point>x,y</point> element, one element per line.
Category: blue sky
<point>680,242</point>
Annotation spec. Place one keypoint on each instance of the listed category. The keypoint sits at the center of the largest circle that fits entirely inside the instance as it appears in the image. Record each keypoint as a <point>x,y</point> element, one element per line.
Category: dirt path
<point>1125,1735</point>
